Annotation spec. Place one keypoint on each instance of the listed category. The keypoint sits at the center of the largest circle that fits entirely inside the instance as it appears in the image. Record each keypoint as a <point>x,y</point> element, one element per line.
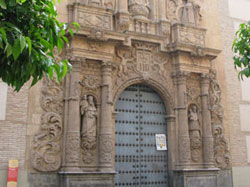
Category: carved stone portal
<point>88,127</point>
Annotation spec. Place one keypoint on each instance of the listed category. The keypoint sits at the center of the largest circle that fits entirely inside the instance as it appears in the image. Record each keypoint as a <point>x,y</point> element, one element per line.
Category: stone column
<point>207,138</point>
<point>72,122</point>
<point>183,135</point>
<point>162,10</point>
<point>105,144</point>
<point>123,6</point>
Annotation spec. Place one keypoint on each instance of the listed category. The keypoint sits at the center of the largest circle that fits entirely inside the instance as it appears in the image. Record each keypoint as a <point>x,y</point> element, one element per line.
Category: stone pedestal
<point>90,179</point>
<point>196,178</point>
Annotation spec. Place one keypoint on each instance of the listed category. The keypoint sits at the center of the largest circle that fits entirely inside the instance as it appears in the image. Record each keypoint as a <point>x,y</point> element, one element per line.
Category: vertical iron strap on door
<point>141,115</point>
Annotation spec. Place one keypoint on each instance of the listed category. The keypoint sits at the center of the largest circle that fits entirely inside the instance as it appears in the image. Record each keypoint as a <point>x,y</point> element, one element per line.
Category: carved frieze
<point>221,149</point>
<point>188,35</point>
<point>93,20</point>
<point>46,148</point>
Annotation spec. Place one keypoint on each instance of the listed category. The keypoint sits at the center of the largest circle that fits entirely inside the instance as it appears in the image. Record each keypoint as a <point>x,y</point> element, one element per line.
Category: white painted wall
<point>3,99</point>
<point>240,9</point>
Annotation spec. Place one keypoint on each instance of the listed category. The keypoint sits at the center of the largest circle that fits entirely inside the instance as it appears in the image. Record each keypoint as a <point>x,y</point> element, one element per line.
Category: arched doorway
<point>141,116</point>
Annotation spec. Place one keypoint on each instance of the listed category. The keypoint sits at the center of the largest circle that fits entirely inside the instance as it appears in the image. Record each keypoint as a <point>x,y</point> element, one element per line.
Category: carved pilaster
<point>72,130</point>
<point>207,139</point>
<point>123,6</point>
<point>183,134</point>
<point>162,10</point>
<point>105,144</point>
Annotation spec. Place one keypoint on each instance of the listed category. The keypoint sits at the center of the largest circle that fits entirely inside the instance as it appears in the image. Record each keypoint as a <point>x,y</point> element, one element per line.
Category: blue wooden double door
<point>141,115</point>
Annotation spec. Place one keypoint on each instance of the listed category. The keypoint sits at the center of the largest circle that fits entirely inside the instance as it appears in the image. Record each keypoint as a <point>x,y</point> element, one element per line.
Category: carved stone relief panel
<point>94,17</point>
<point>221,149</point>
<point>193,90</point>
<point>46,148</point>
<point>143,60</point>
<point>194,126</point>
<point>106,149</point>
<point>188,35</point>
<point>108,4</point>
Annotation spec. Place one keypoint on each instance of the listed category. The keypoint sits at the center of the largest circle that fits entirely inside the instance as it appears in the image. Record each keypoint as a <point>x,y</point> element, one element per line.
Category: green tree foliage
<point>29,35</point>
<point>241,48</point>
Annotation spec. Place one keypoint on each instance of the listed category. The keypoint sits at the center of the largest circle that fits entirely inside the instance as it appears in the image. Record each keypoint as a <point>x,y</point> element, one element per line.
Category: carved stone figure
<point>194,124</point>
<point>139,8</point>
<point>190,13</point>
<point>171,10</point>
<point>89,114</point>
<point>194,132</point>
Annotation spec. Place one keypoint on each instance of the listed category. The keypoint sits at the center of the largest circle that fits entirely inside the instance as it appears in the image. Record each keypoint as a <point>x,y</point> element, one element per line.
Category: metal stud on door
<point>141,115</point>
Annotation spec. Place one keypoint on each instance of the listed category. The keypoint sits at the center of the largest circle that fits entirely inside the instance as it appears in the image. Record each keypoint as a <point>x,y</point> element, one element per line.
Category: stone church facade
<point>139,68</point>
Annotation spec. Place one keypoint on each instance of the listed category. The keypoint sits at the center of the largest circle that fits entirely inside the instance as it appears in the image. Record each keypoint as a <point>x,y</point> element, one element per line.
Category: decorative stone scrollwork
<point>194,132</point>
<point>221,149</point>
<point>46,148</point>
<point>139,8</point>
<point>88,127</point>
<point>190,13</point>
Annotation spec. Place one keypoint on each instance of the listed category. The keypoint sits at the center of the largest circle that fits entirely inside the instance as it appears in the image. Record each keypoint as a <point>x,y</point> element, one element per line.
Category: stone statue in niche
<point>190,13</point>
<point>88,122</point>
<point>88,127</point>
<point>139,8</point>
<point>194,132</point>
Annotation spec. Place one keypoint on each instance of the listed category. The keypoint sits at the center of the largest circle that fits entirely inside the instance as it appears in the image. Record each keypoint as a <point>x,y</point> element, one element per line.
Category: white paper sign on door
<point>161,143</point>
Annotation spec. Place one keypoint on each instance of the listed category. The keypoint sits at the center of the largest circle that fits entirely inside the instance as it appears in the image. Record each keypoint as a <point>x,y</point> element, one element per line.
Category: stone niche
<point>122,43</point>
